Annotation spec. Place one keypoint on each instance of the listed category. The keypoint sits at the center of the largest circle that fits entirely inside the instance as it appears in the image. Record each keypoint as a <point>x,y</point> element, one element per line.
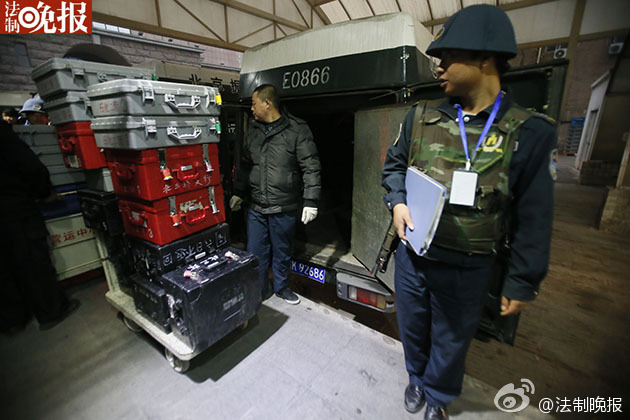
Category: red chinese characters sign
<point>46,17</point>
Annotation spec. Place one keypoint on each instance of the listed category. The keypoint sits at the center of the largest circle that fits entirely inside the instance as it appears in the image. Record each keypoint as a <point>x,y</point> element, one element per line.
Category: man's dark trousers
<point>438,307</point>
<point>29,283</point>
<point>272,235</point>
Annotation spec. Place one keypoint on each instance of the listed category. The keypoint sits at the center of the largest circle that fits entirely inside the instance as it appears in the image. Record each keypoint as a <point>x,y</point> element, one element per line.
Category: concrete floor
<point>292,362</point>
<point>311,361</point>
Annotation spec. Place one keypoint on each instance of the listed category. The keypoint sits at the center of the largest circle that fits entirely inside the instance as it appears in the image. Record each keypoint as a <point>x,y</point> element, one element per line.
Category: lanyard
<point>486,128</point>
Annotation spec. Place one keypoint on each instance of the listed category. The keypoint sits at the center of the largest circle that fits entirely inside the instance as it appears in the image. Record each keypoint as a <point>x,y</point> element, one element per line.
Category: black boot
<point>414,398</point>
<point>435,412</point>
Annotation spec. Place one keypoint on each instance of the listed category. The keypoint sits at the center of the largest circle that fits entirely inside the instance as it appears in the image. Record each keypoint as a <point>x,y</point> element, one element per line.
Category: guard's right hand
<point>235,203</point>
<point>402,218</point>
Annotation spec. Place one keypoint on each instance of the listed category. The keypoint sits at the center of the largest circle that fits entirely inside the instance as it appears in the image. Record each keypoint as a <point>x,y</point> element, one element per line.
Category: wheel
<point>244,325</point>
<point>132,326</point>
<point>180,366</point>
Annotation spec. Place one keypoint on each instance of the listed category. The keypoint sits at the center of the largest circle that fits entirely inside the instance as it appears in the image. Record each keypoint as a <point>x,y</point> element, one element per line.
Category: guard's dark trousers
<point>272,235</point>
<point>28,280</point>
<point>438,307</point>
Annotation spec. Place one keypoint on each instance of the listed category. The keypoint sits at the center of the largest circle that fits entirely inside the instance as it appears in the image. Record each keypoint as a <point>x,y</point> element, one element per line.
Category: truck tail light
<point>367,297</point>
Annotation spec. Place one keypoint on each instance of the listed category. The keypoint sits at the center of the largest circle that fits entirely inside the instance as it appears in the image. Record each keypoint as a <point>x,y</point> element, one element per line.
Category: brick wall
<point>15,71</point>
<point>139,52</point>
<point>591,62</point>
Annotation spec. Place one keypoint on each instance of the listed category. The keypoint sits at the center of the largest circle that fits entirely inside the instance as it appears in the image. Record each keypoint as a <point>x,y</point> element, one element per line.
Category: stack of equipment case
<point>160,142</point>
<point>162,154</point>
<point>151,261</point>
<point>62,84</point>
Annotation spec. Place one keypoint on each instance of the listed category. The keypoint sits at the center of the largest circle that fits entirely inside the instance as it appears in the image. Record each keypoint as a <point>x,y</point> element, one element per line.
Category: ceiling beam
<point>261,14</point>
<point>371,8</point>
<point>345,10</point>
<point>255,32</point>
<point>300,12</point>
<point>227,27</point>
<point>317,3</point>
<point>281,30</point>
<point>153,29</point>
<point>201,22</point>
<point>157,12</point>
<point>505,7</point>
<point>319,12</point>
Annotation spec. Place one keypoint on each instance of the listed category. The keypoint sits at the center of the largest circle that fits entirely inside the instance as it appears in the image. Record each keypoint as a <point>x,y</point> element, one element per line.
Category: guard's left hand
<point>309,214</point>
<point>511,306</point>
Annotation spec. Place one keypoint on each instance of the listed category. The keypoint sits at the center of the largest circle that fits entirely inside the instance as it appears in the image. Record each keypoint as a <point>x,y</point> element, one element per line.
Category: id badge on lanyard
<point>464,181</point>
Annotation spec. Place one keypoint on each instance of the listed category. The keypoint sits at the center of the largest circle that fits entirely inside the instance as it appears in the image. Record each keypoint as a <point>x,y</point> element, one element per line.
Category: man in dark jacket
<point>28,280</point>
<point>279,172</point>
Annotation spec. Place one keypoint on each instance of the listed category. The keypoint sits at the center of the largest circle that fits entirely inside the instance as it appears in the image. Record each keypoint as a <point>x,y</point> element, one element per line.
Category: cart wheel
<point>132,326</point>
<point>180,366</point>
<point>244,325</point>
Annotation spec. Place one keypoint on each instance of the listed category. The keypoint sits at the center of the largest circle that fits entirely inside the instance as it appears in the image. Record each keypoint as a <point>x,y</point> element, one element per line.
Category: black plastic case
<point>212,297</point>
<point>151,260</point>
<point>100,211</point>
<point>150,300</point>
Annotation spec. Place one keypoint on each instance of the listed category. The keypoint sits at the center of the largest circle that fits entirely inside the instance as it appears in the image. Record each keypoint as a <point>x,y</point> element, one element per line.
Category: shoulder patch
<point>553,164</point>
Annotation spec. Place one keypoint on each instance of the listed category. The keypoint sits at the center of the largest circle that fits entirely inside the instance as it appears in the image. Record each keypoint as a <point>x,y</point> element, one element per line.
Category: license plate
<point>314,273</point>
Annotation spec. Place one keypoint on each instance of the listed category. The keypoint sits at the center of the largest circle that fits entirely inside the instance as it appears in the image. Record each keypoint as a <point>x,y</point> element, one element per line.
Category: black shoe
<point>72,306</point>
<point>435,412</point>
<point>414,398</point>
<point>288,296</point>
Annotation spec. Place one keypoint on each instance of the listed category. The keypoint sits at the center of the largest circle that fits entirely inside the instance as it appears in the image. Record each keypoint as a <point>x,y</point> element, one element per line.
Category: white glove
<point>309,214</point>
<point>235,203</point>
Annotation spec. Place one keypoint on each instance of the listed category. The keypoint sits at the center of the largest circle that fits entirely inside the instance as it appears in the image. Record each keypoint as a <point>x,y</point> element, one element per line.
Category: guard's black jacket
<point>278,161</point>
<point>23,177</point>
<point>531,181</point>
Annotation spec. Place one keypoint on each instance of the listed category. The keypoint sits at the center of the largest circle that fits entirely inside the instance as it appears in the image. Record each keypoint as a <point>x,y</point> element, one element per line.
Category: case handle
<point>179,172</point>
<point>65,145</point>
<point>124,173</point>
<point>171,131</point>
<point>135,218</point>
<point>194,102</point>
<point>194,220</point>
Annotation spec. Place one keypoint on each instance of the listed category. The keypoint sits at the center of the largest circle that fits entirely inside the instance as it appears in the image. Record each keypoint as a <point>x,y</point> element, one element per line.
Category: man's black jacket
<point>23,177</point>
<point>278,162</point>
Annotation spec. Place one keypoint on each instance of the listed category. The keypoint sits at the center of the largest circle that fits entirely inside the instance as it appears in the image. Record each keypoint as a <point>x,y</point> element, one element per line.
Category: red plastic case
<point>157,173</point>
<point>78,146</point>
<point>171,218</point>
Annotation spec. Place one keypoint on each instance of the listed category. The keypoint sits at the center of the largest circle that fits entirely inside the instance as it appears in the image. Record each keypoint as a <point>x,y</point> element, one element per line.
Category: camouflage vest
<point>436,149</point>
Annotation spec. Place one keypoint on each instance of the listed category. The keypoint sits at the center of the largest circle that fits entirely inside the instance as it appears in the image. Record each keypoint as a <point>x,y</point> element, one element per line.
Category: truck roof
<point>333,58</point>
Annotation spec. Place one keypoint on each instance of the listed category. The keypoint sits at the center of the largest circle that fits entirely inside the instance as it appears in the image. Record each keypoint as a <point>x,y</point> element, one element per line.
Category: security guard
<point>497,161</point>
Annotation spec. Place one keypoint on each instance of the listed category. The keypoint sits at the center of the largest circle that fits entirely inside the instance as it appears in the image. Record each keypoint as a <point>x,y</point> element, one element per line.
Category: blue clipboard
<point>425,200</point>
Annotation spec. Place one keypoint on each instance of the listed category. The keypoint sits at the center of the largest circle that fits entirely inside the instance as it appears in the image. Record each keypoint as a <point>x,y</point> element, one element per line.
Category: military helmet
<point>480,27</point>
